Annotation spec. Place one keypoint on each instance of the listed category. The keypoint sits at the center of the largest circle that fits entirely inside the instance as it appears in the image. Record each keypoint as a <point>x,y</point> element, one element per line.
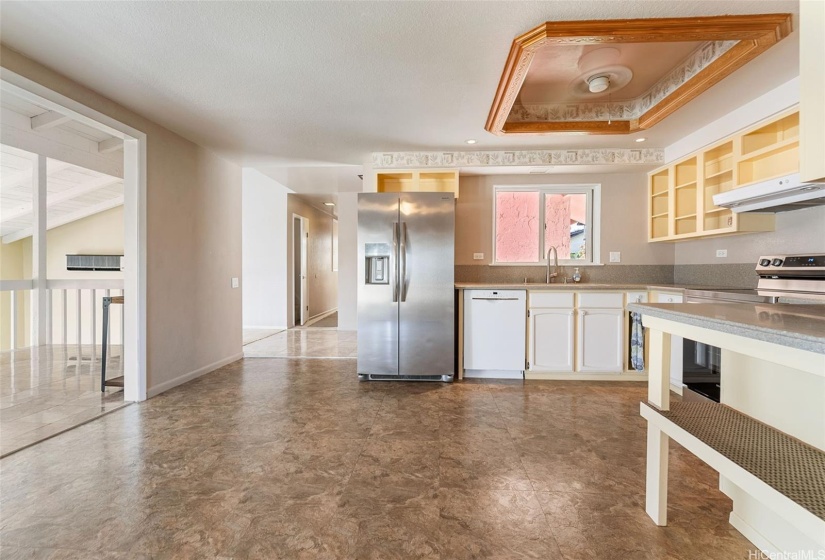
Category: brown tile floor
<point>294,458</point>
<point>47,390</point>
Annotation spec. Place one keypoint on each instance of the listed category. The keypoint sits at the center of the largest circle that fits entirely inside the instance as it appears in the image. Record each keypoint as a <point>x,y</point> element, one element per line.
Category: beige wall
<point>322,280</point>
<point>12,267</point>
<point>193,241</point>
<point>799,231</point>
<point>99,234</point>
<point>623,223</point>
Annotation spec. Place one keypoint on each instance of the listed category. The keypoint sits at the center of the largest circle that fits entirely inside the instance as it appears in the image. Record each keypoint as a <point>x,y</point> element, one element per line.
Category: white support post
<point>78,308</point>
<point>656,482</point>
<point>49,317</point>
<point>13,312</point>
<point>658,388</point>
<point>65,318</point>
<point>39,314</point>
<point>94,319</point>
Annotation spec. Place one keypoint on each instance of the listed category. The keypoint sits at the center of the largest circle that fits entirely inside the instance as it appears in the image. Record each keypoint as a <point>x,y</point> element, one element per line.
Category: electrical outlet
<point>721,252</point>
<point>478,256</point>
<point>236,283</point>
<point>615,256</point>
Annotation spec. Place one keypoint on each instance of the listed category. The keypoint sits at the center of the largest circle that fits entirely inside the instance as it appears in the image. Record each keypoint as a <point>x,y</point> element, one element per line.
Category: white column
<point>40,299</point>
<point>656,483</point>
<point>658,387</point>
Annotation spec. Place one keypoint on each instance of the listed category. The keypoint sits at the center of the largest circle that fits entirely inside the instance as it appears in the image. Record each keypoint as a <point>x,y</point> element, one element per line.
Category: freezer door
<point>377,300</point>
<point>426,257</point>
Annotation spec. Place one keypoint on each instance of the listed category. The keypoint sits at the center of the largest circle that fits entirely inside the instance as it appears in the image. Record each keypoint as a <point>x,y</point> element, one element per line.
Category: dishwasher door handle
<point>495,299</point>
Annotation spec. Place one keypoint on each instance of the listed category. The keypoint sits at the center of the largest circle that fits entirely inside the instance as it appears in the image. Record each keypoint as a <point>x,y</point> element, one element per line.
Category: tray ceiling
<point>621,76</point>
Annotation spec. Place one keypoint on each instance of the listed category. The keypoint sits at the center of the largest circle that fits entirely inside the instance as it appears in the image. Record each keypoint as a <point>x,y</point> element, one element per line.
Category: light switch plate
<point>478,256</point>
<point>236,283</point>
<point>615,256</point>
<point>721,252</point>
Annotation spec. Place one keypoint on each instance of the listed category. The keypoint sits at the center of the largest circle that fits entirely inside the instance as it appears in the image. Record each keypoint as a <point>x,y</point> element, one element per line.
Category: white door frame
<point>134,217</point>
<point>303,316</point>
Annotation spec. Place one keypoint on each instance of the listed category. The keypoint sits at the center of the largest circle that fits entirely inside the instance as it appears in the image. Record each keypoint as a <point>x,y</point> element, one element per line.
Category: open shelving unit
<point>770,151</point>
<point>681,194</point>
<point>445,180</point>
<point>659,226</point>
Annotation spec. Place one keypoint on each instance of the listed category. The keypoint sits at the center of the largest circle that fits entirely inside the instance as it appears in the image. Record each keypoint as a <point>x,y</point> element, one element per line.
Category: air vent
<point>94,262</point>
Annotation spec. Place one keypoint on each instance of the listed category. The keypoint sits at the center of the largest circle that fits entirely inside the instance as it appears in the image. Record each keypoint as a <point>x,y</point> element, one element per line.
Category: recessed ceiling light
<point>329,204</point>
<point>640,139</point>
<point>471,141</point>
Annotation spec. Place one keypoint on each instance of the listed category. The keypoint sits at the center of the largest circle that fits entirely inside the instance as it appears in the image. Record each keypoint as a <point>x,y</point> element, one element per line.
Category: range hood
<point>776,195</point>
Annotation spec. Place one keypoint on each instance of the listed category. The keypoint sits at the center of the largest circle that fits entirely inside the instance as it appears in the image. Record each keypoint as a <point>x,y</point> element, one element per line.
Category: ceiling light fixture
<point>471,141</point>
<point>329,204</point>
<point>598,84</point>
<point>640,139</point>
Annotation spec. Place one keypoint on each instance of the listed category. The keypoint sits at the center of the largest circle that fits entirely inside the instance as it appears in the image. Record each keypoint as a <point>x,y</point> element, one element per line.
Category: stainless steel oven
<point>782,279</point>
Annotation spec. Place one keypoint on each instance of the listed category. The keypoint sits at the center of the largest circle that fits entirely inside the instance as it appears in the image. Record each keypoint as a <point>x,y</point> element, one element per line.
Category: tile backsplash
<point>608,274</point>
<point>720,275</point>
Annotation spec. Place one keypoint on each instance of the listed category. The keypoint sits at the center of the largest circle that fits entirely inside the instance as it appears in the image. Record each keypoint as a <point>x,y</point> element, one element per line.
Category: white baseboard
<point>589,376</point>
<point>493,374</point>
<point>319,316</point>
<point>181,379</point>
<point>267,328</point>
<point>753,535</point>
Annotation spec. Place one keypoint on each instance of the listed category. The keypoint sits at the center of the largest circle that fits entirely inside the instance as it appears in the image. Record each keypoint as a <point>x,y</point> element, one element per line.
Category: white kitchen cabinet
<point>600,345</point>
<point>551,339</point>
<point>676,342</point>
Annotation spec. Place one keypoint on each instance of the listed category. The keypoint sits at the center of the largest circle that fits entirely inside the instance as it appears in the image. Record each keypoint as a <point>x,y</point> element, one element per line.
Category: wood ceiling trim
<point>756,33</point>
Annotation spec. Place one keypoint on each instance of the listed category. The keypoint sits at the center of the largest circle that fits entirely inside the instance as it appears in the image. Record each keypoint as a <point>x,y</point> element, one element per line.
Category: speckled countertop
<point>795,326</point>
<point>574,286</point>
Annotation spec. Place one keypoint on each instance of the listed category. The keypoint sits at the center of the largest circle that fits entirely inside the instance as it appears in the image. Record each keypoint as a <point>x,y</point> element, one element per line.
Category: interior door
<point>427,300</point>
<point>378,301</point>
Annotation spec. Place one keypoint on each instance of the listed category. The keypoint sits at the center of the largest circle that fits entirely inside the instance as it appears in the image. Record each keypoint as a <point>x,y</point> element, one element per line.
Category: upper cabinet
<point>812,86</point>
<point>418,180</point>
<point>680,196</point>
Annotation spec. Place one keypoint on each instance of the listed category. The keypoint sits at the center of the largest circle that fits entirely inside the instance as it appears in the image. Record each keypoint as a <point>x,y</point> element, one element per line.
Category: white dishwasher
<point>495,327</point>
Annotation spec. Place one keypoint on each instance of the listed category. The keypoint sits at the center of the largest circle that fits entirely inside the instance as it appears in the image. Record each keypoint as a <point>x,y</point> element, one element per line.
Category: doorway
<point>300,233</point>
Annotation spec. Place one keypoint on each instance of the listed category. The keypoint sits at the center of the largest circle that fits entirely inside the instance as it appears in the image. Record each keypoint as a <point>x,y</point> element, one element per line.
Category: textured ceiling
<point>273,83</point>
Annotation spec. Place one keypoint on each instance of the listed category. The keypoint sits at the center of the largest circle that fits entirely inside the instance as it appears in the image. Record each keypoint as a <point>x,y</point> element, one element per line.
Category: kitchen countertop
<point>579,286</point>
<point>796,326</point>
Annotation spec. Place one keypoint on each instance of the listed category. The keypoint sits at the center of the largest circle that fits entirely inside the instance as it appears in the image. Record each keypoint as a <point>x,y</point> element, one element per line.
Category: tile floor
<point>305,342</point>
<point>46,391</point>
<point>294,458</point>
<point>254,335</point>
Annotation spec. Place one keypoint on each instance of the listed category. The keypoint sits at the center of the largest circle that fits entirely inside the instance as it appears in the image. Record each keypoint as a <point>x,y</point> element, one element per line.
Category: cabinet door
<point>551,340</point>
<point>600,337</point>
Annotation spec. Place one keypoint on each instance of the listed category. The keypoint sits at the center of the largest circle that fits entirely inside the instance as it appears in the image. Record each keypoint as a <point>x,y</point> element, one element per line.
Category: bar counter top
<point>796,326</point>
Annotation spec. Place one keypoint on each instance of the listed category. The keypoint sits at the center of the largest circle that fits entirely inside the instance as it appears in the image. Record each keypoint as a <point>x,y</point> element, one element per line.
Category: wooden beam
<point>56,144</point>
<point>47,120</point>
<point>68,218</point>
<point>109,145</point>
<point>573,127</point>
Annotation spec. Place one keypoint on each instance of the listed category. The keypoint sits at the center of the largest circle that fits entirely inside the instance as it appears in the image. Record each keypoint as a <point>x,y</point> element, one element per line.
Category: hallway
<point>294,458</point>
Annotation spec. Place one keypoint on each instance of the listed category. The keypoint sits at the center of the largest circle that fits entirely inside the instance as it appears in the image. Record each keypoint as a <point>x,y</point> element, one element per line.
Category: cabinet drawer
<point>636,297</point>
<point>668,297</point>
<point>601,300</point>
<point>551,299</point>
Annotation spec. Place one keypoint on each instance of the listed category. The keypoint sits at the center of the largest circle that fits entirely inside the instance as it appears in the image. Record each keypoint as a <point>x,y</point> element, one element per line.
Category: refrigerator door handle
<point>403,253</point>
<point>395,262</point>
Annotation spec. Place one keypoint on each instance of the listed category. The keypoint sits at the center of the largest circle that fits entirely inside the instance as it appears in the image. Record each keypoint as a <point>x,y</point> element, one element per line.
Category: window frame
<point>592,227</point>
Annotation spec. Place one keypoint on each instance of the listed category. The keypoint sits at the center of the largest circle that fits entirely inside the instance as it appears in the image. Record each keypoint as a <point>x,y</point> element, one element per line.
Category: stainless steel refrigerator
<point>405,286</point>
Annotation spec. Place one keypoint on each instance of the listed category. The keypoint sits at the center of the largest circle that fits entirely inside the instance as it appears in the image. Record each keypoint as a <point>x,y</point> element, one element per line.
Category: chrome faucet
<point>555,273</point>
